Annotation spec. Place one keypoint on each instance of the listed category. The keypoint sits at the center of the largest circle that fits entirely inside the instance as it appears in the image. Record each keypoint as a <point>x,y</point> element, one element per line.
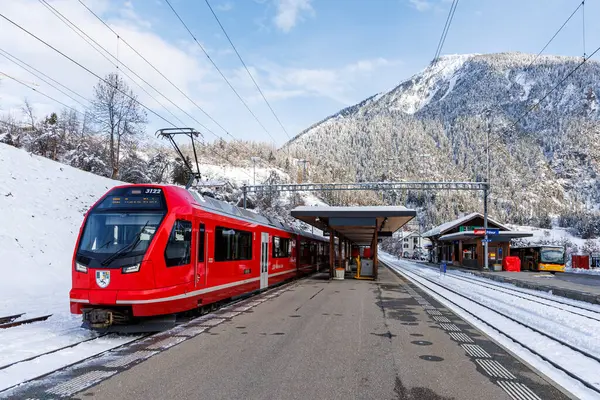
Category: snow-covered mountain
<point>433,126</point>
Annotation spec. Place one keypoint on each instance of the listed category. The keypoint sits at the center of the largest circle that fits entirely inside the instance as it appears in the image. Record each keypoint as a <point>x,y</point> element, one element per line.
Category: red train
<point>156,250</point>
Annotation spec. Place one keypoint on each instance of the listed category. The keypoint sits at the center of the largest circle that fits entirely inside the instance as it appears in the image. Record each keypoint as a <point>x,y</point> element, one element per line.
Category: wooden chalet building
<point>460,242</point>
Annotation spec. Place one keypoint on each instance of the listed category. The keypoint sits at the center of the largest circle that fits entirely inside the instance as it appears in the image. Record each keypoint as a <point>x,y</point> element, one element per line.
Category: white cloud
<point>427,5</point>
<point>178,58</point>
<point>188,72</point>
<point>338,84</point>
<point>289,12</point>
<point>128,13</point>
<point>421,5</point>
<point>226,6</point>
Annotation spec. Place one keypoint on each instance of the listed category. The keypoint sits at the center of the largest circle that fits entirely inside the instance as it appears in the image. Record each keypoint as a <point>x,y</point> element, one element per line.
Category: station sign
<point>489,231</point>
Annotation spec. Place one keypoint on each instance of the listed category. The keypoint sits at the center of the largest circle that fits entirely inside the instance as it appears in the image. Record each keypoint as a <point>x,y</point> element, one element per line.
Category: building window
<point>281,247</point>
<point>179,247</point>
<point>406,245</point>
<point>232,244</point>
<point>406,239</point>
<point>416,241</point>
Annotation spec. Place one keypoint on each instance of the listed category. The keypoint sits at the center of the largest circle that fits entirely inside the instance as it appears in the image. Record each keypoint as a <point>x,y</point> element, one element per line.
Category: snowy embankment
<point>550,334</point>
<point>42,204</point>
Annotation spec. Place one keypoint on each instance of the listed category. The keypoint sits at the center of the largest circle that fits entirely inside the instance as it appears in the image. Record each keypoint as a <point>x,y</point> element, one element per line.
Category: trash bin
<point>339,273</point>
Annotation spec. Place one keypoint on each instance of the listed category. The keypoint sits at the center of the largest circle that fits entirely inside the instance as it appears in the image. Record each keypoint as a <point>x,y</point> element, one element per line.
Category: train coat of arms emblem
<point>103,278</point>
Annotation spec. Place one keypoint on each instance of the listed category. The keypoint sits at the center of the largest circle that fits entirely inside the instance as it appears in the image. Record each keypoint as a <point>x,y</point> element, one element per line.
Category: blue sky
<point>310,57</point>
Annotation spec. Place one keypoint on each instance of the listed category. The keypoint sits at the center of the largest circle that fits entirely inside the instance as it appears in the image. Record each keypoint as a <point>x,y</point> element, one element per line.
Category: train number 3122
<point>152,191</point>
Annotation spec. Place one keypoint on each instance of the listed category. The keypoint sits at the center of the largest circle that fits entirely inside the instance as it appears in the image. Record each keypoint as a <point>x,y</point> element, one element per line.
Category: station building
<point>460,242</point>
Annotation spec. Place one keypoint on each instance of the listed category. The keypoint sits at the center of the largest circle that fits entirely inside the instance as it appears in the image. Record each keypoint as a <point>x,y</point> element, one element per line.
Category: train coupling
<point>99,318</point>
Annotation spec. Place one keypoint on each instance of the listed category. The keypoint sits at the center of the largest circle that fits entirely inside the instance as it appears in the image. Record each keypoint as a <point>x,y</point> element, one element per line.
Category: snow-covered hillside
<point>433,126</point>
<point>42,204</point>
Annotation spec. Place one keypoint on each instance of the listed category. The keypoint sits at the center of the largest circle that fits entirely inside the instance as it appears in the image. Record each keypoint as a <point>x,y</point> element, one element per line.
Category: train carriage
<point>151,250</point>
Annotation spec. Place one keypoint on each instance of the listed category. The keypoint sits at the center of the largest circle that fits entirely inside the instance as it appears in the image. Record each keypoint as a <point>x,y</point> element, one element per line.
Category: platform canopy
<point>357,224</point>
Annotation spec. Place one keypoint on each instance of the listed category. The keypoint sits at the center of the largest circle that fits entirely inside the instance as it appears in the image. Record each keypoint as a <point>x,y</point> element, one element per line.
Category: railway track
<point>593,314</point>
<point>569,352</point>
<point>2,367</point>
<point>69,348</point>
<point>11,320</point>
<point>528,292</point>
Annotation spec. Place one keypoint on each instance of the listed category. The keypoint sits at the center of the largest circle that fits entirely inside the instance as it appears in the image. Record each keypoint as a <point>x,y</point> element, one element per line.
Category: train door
<point>264,260</point>
<point>200,272</point>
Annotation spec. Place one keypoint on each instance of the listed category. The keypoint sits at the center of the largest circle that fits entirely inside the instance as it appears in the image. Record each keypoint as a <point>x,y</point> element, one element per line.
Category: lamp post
<point>254,161</point>
<point>303,162</point>
<point>486,189</point>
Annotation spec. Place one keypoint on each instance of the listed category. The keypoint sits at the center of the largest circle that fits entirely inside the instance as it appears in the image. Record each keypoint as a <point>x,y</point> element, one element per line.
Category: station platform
<point>325,339</point>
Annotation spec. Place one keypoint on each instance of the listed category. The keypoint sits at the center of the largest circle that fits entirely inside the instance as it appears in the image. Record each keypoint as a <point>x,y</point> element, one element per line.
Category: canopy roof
<point>447,226</point>
<point>502,236</point>
<point>357,224</point>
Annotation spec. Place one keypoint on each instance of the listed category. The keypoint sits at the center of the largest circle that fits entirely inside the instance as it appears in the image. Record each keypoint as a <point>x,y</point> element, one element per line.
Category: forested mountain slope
<point>544,162</point>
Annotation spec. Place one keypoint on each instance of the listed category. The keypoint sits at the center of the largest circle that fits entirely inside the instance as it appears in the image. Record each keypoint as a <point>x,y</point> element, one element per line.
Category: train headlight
<point>131,268</point>
<point>81,268</point>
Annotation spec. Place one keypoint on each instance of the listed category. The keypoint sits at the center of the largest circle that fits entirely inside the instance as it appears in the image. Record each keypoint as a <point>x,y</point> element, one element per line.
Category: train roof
<point>222,207</point>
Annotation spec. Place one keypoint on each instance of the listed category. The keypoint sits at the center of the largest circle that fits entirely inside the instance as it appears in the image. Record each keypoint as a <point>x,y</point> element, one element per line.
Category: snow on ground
<point>25,371</point>
<point>576,330</point>
<point>554,235</point>
<point>42,204</point>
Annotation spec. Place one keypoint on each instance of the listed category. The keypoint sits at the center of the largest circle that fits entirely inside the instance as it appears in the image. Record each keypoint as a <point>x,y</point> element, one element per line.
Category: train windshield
<point>556,256</point>
<point>108,233</point>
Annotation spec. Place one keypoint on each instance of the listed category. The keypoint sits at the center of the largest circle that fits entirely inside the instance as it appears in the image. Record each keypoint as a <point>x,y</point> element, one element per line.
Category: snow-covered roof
<point>410,234</point>
<point>379,210</point>
<point>445,227</point>
<point>358,224</point>
<point>503,236</point>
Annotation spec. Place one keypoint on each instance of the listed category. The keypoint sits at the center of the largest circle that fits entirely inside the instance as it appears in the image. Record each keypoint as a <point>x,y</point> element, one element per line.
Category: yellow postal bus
<point>540,258</point>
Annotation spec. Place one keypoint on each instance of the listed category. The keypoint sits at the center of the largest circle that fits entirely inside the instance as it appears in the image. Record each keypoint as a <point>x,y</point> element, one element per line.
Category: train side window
<point>179,247</point>
<point>201,243</point>
<point>281,247</point>
<point>232,244</point>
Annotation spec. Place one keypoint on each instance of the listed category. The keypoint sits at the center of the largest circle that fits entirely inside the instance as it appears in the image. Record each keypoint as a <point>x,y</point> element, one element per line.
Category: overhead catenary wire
<point>79,32</point>
<point>219,71</point>
<point>160,73</point>
<point>556,34</point>
<point>126,43</point>
<point>40,75</point>
<point>580,5</point>
<point>20,62</point>
<point>142,57</point>
<point>132,98</point>
<point>446,29</point>
<point>246,68</point>
<point>579,65</point>
<point>583,25</point>
<point>41,93</point>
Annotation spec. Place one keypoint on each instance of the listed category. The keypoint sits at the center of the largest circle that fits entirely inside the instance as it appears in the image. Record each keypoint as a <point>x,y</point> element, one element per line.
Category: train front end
<point>112,258</point>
